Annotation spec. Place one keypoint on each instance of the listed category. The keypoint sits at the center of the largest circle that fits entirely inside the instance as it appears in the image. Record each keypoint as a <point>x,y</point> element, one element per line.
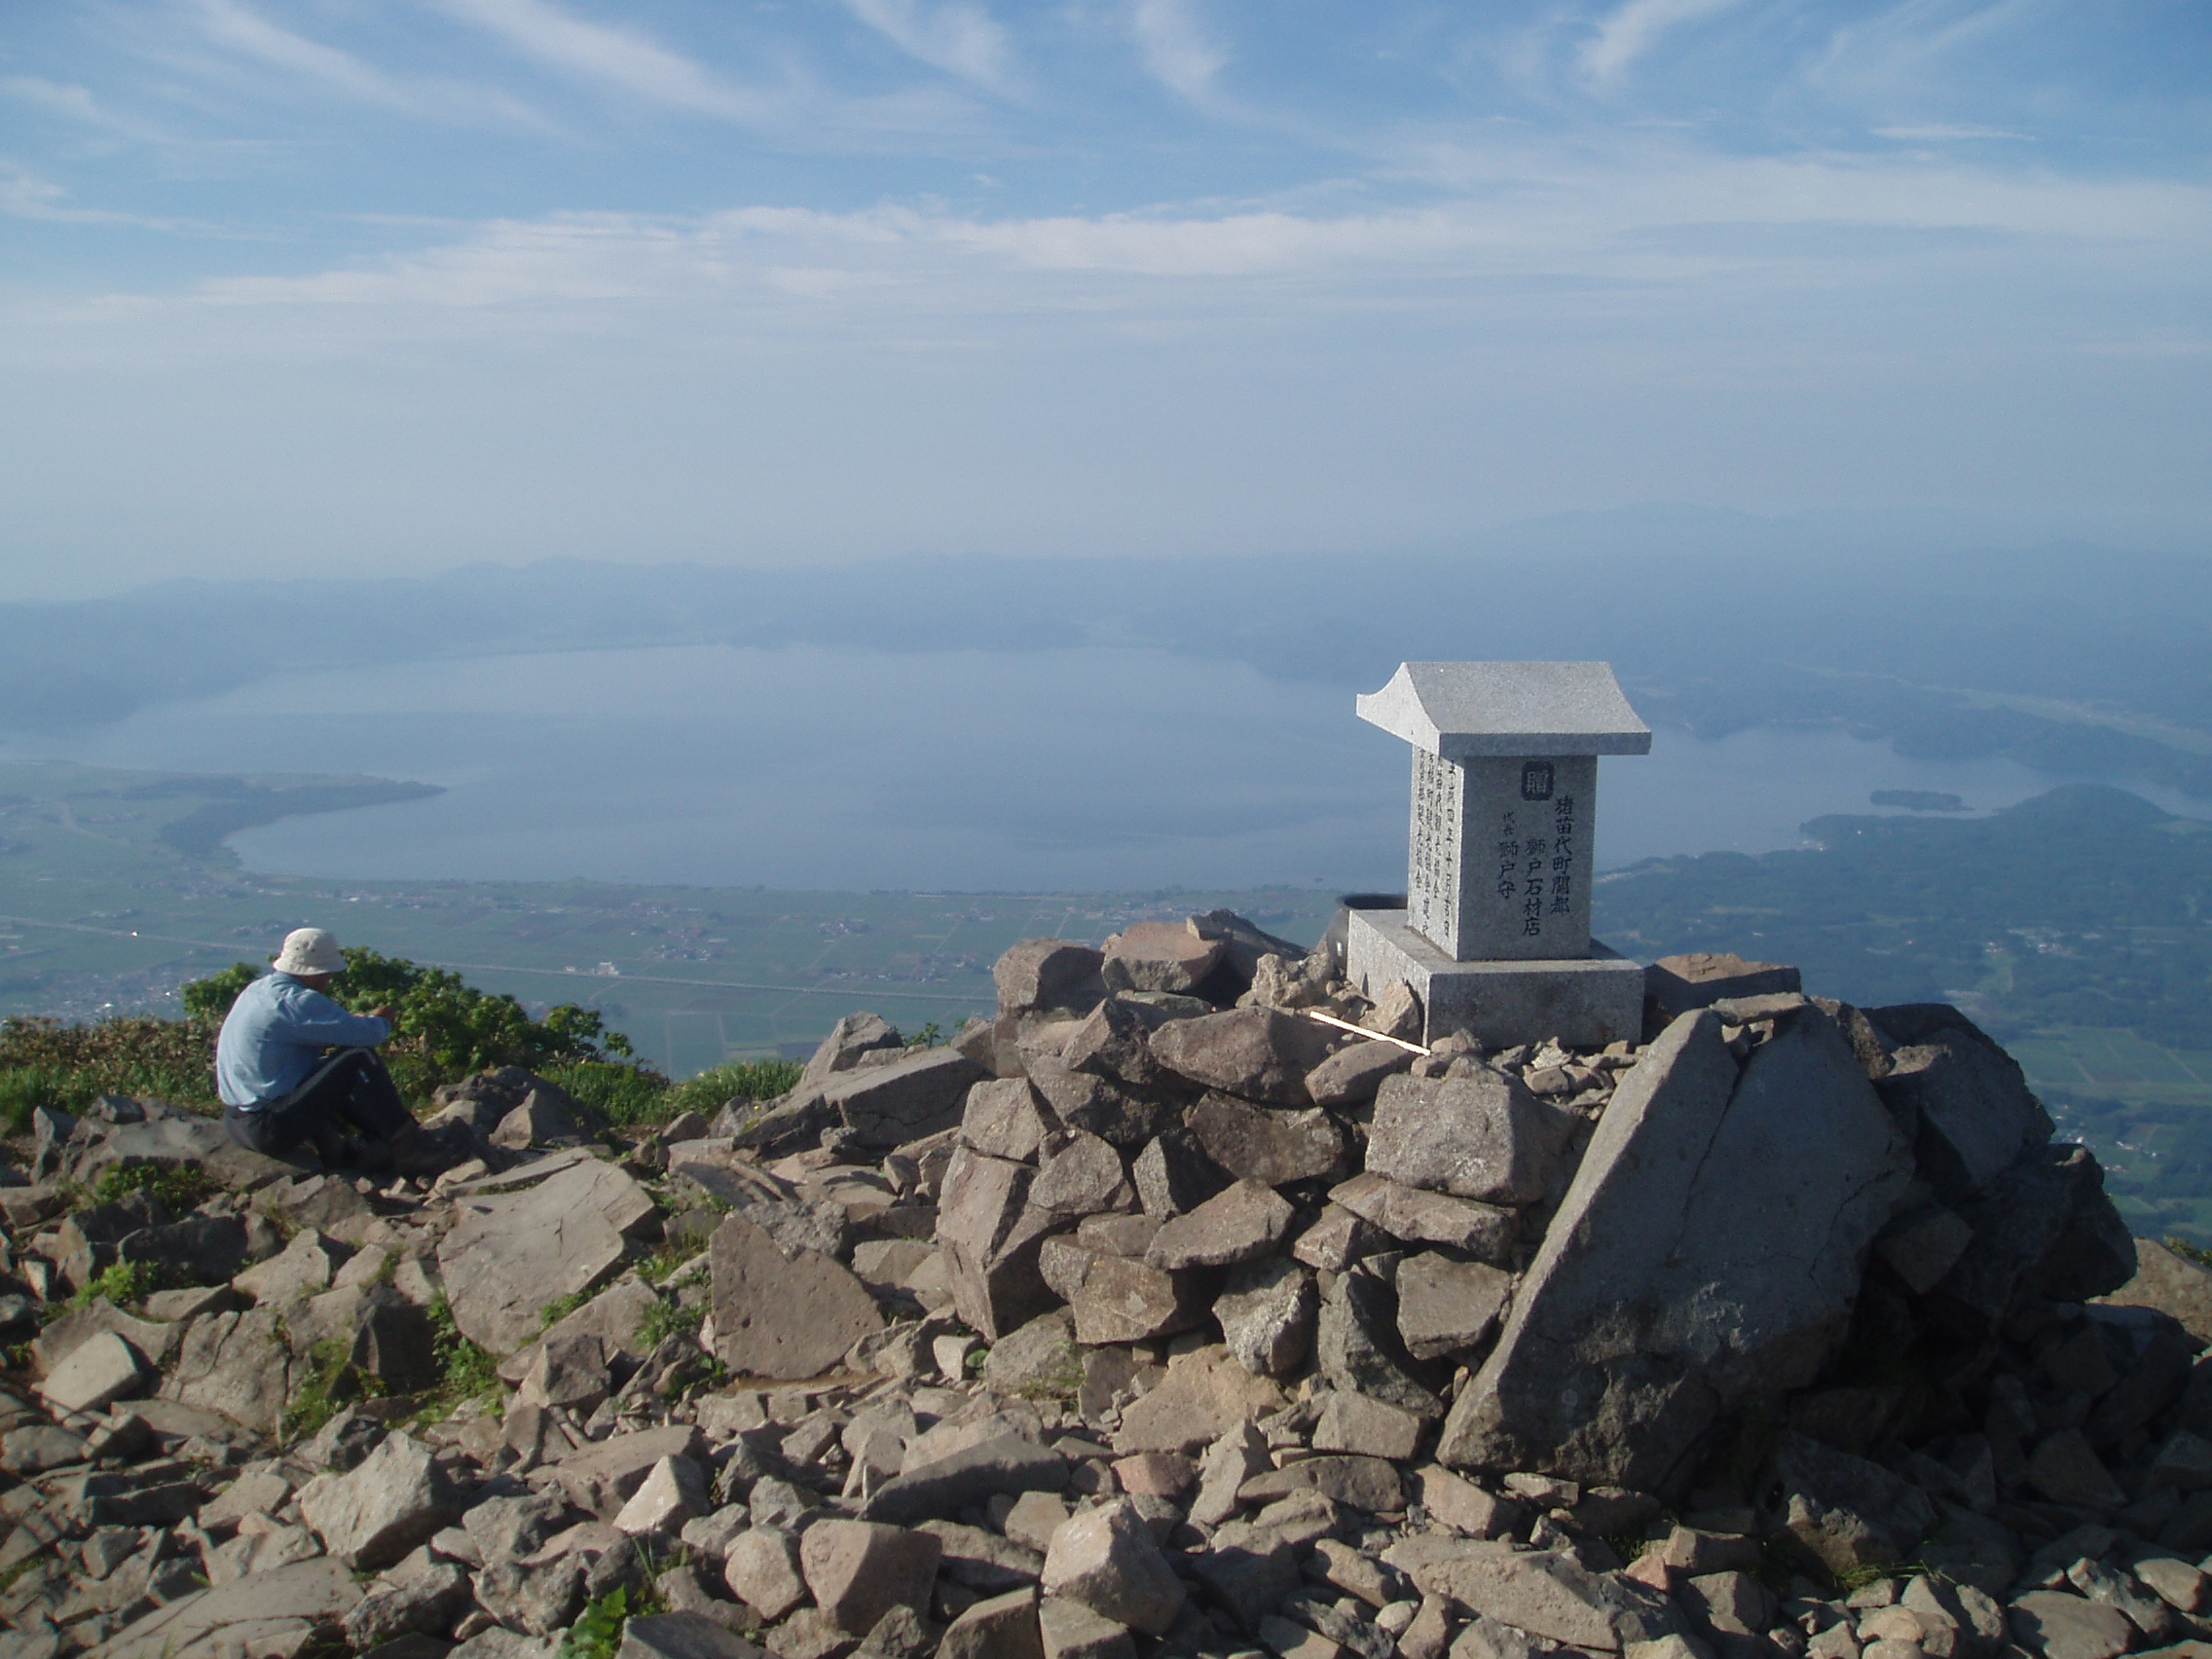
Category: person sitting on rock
<point>291,1065</point>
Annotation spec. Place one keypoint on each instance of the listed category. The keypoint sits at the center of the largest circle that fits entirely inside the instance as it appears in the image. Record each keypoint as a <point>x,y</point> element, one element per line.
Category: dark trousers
<point>353,1090</point>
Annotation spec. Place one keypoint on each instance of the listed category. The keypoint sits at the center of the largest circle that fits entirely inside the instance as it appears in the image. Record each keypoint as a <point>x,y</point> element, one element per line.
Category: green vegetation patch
<point>122,1284</point>
<point>331,1382</point>
<point>628,1094</point>
<point>176,1187</point>
<point>467,1371</point>
<point>44,1063</point>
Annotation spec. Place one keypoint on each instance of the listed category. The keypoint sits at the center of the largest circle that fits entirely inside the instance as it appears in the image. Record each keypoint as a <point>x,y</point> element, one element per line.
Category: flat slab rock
<point>508,1255</point>
<point>267,1611</point>
<point>781,1315</point>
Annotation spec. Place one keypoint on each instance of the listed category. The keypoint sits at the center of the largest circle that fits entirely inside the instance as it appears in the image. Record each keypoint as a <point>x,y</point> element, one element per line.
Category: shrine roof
<point>1465,710</point>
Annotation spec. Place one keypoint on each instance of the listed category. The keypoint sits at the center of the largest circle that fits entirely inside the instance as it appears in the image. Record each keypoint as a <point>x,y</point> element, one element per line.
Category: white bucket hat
<point>310,950</point>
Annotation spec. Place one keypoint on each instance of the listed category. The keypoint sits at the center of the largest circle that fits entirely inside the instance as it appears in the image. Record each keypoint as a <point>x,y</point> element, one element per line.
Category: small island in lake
<point>1918,801</point>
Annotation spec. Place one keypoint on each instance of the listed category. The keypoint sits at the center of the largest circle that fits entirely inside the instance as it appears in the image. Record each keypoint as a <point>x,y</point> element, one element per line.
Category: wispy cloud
<point>1562,215</point>
<point>230,25</point>
<point>1177,50</point>
<point>1634,29</point>
<point>23,195</point>
<point>77,103</point>
<point>958,37</point>
<point>617,58</point>
<point>1939,133</point>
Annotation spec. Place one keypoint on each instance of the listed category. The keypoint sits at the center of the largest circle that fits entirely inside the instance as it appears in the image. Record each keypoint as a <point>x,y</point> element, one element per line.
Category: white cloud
<point>1634,29</point>
<point>234,25</point>
<point>1942,132</point>
<point>638,66</point>
<point>1518,216</point>
<point>72,101</point>
<point>959,37</point>
<point>23,195</point>
<point>1178,52</point>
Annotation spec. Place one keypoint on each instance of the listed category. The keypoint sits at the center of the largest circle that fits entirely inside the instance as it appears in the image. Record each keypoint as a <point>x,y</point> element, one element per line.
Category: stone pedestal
<point>1585,1001</point>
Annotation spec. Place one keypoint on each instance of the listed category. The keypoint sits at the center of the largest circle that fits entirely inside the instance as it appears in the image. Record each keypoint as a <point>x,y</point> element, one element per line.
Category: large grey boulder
<point>1265,1314</point>
<point>1709,1250</point>
<point>683,1635</point>
<point>1850,1513</point>
<point>1005,1119</point>
<point>990,1237</point>
<point>1271,1144</point>
<point>1478,1136</point>
<point>1241,1224</point>
<point>1444,1307</point>
<point>1106,1559</point>
<point>1358,1350</point>
<point>859,1571</point>
<point>1159,956</point>
<point>783,1315</point>
<point>1113,1042</point>
<point>395,1500</point>
<point>1351,1075</point>
<point>276,1611</point>
<point>99,1371</point>
<point>854,1036</point>
<point>2045,1227</point>
<point>1974,1108</point>
<point>508,1255</point>
<point>1081,1174</point>
<point>1415,1216</point>
<point>1117,1300</point>
<point>1254,1053</point>
<point>1048,972</point>
<point>1546,1593</point>
<point>889,1105</point>
<point>237,1364</point>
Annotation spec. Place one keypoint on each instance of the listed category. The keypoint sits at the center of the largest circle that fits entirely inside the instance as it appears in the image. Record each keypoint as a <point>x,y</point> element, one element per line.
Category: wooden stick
<point>1362,1031</point>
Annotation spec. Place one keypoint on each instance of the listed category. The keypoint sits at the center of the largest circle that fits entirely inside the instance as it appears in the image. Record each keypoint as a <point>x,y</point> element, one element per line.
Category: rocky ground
<point>1159,1315</point>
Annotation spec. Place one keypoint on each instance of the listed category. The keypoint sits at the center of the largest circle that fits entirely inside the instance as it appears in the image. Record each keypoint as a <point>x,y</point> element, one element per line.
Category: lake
<point>808,768</point>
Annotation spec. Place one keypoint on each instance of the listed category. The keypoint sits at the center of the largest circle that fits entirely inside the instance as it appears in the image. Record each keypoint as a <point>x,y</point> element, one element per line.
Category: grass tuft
<point>123,1285</point>
<point>330,1383</point>
<point>179,1188</point>
<point>633,1094</point>
<point>467,1371</point>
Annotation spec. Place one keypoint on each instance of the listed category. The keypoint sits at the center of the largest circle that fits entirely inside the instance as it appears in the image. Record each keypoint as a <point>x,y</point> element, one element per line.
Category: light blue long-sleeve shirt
<point>274,1036</point>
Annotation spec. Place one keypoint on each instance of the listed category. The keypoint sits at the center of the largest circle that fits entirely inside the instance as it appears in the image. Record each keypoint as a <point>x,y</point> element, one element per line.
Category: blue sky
<point>366,284</point>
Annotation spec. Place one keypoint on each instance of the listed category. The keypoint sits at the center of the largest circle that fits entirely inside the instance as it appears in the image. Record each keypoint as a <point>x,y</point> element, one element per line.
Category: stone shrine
<point>1495,935</point>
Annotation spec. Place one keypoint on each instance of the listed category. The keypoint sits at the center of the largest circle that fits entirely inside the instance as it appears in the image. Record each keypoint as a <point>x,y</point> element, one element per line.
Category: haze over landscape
<point>691,492</point>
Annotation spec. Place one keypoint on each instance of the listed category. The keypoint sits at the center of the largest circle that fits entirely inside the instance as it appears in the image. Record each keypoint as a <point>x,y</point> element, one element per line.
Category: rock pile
<point>1186,1308</point>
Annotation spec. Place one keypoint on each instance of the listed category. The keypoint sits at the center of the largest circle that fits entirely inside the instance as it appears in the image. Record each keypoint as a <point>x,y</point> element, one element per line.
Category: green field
<point>109,900</point>
<point>2118,1064</point>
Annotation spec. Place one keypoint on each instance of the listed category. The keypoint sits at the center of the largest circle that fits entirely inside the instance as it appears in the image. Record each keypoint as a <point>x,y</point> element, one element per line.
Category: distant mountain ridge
<point>2079,660</point>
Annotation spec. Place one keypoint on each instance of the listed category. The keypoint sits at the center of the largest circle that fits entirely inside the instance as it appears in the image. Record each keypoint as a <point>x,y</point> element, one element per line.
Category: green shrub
<point>24,1090</point>
<point>211,999</point>
<point>740,1080</point>
<point>47,1063</point>
<point>623,1092</point>
<point>598,1630</point>
<point>631,1092</point>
